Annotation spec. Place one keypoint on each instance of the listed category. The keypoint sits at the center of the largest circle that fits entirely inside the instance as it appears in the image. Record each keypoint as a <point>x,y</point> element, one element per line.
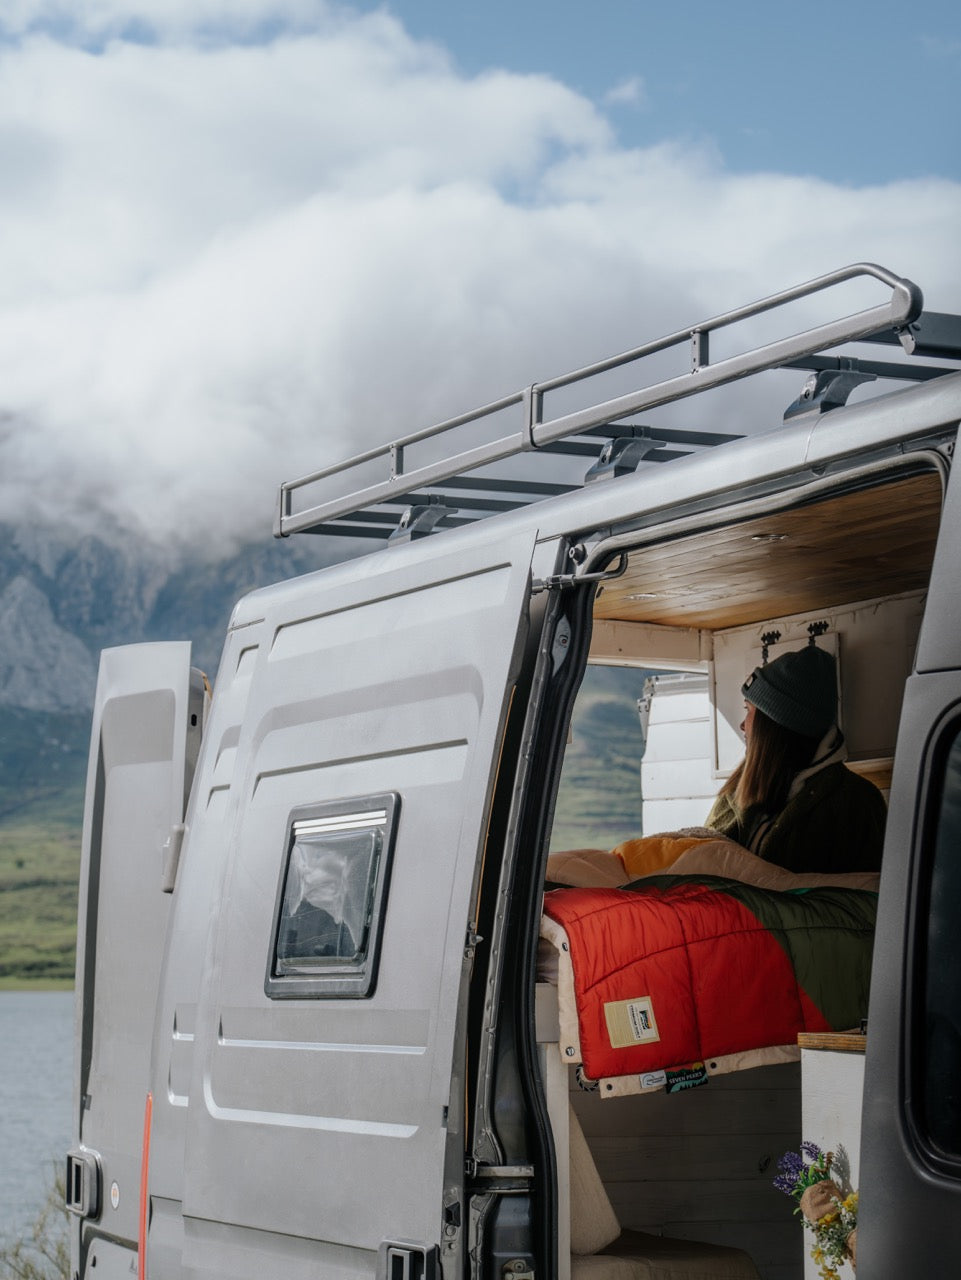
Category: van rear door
<point>147,724</point>
<point>910,1193</point>
<point>325,1127</point>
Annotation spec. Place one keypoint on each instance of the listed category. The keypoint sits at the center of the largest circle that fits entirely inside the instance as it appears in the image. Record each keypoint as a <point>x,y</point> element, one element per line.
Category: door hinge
<point>498,1177</point>
<point>517,1269</point>
<point>471,942</point>
<point>564,581</point>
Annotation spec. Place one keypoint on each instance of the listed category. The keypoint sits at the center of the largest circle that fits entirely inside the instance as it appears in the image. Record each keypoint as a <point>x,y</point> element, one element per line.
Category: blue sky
<point>851,90</point>
<point>240,239</point>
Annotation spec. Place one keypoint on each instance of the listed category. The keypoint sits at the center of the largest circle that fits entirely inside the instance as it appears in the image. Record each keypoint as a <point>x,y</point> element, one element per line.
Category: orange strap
<point>144,1201</point>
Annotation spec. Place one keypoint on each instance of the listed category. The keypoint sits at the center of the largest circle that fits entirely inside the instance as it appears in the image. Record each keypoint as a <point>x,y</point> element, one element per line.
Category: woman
<point>792,800</point>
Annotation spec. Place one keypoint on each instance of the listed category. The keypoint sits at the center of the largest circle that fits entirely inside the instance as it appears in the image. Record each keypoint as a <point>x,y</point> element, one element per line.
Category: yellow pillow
<point>648,854</point>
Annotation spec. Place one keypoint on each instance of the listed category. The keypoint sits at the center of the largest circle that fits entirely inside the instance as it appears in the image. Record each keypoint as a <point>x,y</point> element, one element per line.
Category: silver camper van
<point>344,1008</point>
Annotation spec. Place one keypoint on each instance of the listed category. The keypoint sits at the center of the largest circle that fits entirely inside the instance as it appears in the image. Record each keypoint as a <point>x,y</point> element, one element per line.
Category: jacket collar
<point>832,749</point>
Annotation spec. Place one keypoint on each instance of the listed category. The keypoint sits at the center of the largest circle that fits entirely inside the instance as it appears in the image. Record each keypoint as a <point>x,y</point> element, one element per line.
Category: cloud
<point>226,262</point>
<point>627,93</point>
<point>93,21</point>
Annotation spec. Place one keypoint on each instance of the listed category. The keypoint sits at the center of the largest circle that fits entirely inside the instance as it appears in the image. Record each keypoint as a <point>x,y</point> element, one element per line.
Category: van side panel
<point>323,1119</point>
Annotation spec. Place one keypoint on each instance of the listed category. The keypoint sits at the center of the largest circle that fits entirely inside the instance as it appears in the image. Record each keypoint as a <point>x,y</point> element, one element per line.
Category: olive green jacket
<point>832,822</point>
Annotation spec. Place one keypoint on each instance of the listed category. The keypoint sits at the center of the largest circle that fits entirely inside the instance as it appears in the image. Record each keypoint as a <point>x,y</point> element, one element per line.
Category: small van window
<point>330,901</point>
<point>940,1038</point>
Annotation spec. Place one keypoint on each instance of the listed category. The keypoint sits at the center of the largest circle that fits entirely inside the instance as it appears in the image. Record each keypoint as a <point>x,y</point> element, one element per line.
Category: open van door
<point>910,1192</point>
<point>147,724</point>
<point>325,1123</point>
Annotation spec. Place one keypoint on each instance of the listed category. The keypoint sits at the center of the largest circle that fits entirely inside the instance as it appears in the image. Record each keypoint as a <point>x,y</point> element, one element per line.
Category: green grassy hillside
<point>39,860</point>
<point>43,760</point>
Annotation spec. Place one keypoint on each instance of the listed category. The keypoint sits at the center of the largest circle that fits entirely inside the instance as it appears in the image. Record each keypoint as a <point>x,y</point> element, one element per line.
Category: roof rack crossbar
<point>670,435</point>
<point>544,488</point>
<point>470,504</point>
<point>901,310</point>
<point>580,449</point>
<point>342,529</point>
<point>877,368</point>
<point>933,333</point>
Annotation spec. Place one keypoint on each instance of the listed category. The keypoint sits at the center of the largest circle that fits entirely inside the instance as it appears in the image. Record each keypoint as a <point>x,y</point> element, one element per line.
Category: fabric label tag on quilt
<point>653,1079</point>
<point>631,1022</point>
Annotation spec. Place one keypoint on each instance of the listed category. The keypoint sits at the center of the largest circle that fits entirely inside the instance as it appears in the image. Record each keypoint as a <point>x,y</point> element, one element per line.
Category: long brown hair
<point>773,757</point>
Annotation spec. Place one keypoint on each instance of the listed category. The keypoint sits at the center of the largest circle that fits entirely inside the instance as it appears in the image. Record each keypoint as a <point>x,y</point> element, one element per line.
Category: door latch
<point>517,1269</point>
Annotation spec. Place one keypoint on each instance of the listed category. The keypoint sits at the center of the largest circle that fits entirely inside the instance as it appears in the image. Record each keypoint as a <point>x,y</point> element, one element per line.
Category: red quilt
<point>676,970</point>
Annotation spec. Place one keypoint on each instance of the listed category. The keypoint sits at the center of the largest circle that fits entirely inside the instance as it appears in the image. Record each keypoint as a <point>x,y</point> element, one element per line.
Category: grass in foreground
<point>43,1251</point>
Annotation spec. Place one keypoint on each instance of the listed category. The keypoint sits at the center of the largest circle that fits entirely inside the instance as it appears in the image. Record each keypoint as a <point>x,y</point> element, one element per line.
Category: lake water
<point>36,1069</point>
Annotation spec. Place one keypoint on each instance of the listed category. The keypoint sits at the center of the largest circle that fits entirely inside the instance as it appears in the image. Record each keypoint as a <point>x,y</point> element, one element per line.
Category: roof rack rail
<point>448,491</point>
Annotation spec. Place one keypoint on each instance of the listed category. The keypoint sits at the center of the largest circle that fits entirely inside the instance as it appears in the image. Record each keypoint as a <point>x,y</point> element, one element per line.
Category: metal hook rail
<point>371,509</point>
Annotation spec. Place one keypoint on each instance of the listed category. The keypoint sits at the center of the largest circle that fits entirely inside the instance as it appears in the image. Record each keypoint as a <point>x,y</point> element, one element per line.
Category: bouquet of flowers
<point>805,1175</point>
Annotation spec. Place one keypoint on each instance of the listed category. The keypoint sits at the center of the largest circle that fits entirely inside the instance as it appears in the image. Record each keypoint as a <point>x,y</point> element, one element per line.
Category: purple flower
<point>790,1169</point>
<point>794,1171</point>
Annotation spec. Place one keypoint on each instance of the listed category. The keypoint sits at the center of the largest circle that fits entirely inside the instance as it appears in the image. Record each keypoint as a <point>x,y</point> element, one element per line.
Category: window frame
<point>944,740</point>
<point>349,979</point>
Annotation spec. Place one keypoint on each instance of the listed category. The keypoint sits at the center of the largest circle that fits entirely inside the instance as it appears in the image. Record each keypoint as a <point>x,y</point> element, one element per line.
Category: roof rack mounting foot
<point>419,521</point>
<point>826,390</point>
<point>621,457</point>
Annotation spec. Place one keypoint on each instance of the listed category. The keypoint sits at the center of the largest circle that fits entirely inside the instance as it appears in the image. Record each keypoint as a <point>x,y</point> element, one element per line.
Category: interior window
<point>331,899</point>
<point>940,1076</point>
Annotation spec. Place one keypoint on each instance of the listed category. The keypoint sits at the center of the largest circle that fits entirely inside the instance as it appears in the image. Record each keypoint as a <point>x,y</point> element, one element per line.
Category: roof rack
<point>451,490</point>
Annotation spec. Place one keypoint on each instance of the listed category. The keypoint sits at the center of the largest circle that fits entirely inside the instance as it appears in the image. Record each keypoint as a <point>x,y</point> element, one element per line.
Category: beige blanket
<point>600,869</point>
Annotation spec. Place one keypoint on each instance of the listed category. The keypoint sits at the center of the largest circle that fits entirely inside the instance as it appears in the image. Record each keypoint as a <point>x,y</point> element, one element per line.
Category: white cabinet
<point>832,1081</point>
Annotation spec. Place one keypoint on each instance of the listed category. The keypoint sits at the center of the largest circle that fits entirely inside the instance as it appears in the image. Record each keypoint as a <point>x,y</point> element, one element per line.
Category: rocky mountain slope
<point>64,597</point>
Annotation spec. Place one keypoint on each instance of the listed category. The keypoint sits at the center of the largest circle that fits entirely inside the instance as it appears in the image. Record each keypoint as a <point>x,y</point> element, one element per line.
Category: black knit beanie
<point>798,691</point>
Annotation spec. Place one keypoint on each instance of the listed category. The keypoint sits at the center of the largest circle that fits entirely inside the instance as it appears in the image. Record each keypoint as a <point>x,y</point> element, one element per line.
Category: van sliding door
<point>325,1128</point>
<point>910,1193</point>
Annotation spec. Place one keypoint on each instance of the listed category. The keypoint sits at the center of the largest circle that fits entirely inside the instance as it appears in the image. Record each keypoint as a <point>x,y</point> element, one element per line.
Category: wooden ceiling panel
<point>855,546</point>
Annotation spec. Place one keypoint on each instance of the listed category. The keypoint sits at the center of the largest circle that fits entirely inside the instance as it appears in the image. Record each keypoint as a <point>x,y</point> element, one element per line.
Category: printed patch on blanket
<point>686,1077</point>
<point>631,1022</point>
